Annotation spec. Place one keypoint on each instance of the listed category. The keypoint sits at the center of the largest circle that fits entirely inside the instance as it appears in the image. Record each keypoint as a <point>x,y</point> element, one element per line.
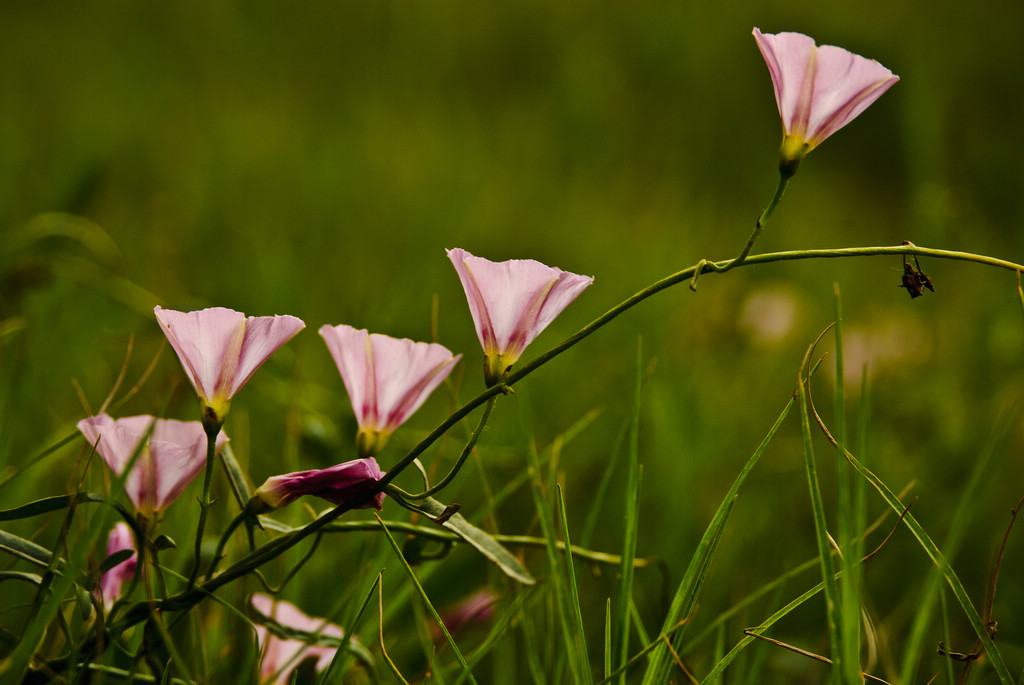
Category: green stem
<point>467,450</point>
<point>224,540</point>
<point>212,430</point>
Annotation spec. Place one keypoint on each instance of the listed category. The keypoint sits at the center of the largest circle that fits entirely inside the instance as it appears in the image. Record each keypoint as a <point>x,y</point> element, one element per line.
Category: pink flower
<point>280,656</point>
<point>114,578</point>
<point>511,303</point>
<point>221,349</point>
<point>337,484</point>
<point>818,89</point>
<point>387,379</point>
<point>166,464</point>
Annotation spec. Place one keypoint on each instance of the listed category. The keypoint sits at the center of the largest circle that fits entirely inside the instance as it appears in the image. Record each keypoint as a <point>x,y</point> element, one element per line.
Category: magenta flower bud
<point>818,90</point>
<point>387,379</point>
<point>337,484</point>
<point>511,303</point>
<point>166,464</point>
<point>281,656</point>
<point>114,578</point>
<point>221,349</point>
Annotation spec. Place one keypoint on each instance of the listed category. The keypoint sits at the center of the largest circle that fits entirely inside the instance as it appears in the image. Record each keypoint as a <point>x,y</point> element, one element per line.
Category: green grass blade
<point>686,595</point>
<point>580,670</point>
<point>951,546</point>
<point>579,637</point>
<point>631,493</point>
<point>821,535</point>
<point>930,548</point>
<point>426,602</point>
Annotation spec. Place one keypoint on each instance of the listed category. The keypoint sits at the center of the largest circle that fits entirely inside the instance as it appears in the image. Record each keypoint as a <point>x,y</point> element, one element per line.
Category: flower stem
<point>212,429</point>
<point>462,457</point>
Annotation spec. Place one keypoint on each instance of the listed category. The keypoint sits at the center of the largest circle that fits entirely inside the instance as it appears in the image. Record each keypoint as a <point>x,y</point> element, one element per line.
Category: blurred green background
<point>317,158</point>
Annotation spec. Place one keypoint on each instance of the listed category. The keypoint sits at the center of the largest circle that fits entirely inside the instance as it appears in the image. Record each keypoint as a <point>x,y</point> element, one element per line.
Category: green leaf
<point>24,549</point>
<point>48,504</point>
<point>481,540</point>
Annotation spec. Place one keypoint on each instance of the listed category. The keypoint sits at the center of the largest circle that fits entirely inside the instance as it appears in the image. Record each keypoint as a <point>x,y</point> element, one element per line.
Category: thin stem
<point>212,430</point>
<point>218,555</point>
<point>467,450</point>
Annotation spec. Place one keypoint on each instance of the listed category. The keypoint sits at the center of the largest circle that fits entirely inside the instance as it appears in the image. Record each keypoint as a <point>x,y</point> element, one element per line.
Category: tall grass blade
<point>579,637</point>
<point>426,601</point>
<point>686,595</point>
<point>631,493</point>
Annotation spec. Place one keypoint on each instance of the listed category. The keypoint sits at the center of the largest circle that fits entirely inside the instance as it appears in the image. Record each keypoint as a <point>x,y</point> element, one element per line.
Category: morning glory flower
<point>174,454</point>
<point>387,379</point>
<point>112,581</point>
<point>337,484</point>
<point>818,89</point>
<point>280,656</point>
<point>511,303</point>
<point>221,349</point>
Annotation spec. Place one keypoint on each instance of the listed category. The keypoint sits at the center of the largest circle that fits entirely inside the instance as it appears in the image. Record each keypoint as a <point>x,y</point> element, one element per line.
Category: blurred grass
<point>317,160</point>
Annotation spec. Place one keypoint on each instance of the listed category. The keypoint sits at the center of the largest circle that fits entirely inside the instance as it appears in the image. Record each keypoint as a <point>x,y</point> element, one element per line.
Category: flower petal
<point>202,339</point>
<point>387,378</point>
<point>819,90</point>
<point>264,335</point>
<point>174,455</point>
<point>513,301</point>
<point>338,485</point>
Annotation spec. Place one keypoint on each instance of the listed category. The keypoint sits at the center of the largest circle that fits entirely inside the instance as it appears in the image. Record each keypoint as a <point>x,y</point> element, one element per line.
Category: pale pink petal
<point>387,378</point>
<point>819,90</point>
<point>787,56</point>
<point>353,354</point>
<point>513,301</point>
<point>845,85</point>
<point>338,484</point>
<point>405,373</point>
<point>264,335</point>
<point>203,340</point>
<point>114,441</point>
<point>277,653</point>
<point>114,578</point>
<point>174,455</point>
<point>178,451</point>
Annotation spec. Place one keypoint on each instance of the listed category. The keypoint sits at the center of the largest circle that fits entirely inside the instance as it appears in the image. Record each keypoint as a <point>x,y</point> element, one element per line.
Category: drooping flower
<point>114,578</point>
<point>221,349</point>
<point>337,484</point>
<point>511,303</point>
<point>280,656</point>
<point>387,379</point>
<point>174,454</point>
<point>818,89</point>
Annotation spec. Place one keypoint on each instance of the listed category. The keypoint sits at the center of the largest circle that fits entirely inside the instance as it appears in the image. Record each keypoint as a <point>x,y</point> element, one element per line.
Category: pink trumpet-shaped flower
<point>511,303</point>
<point>281,656</point>
<point>337,484</point>
<point>114,578</point>
<point>166,464</point>
<point>221,349</point>
<point>819,89</point>
<point>387,379</point>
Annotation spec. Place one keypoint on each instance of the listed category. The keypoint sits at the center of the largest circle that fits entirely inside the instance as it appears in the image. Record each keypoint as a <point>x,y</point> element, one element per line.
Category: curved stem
<point>462,457</point>
<point>217,556</point>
